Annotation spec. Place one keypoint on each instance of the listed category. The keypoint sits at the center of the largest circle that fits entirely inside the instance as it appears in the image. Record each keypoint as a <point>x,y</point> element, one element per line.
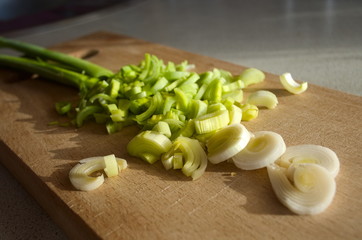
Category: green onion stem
<point>48,71</point>
<point>92,69</point>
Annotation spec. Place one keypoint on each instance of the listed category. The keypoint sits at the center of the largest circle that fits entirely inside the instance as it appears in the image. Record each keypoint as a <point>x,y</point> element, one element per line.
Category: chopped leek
<point>249,112</point>
<point>195,157</point>
<point>63,107</point>
<point>263,98</point>
<point>149,146</point>
<point>212,121</point>
<point>163,127</point>
<point>251,76</point>
<point>291,85</point>
<point>235,114</point>
<point>227,142</point>
<point>264,148</point>
<point>80,174</point>
<point>188,155</point>
<point>180,112</point>
<point>311,190</point>
<point>308,153</point>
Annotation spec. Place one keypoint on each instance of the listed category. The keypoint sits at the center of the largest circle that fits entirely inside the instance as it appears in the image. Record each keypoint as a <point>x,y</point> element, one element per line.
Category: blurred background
<point>21,14</point>
<point>319,41</point>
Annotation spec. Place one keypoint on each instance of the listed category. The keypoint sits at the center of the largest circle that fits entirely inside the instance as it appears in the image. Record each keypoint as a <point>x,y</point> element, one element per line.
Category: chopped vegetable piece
<point>227,142</point>
<point>251,76</point>
<point>63,107</point>
<point>249,112</point>
<point>149,146</point>
<point>263,98</point>
<point>85,113</point>
<point>292,86</point>
<point>163,127</point>
<point>310,192</point>
<point>235,114</point>
<point>80,174</point>
<point>308,153</point>
<point>194,156</point>
<point>111,165</point>
<point>212,122</point>
<point>264,148</point>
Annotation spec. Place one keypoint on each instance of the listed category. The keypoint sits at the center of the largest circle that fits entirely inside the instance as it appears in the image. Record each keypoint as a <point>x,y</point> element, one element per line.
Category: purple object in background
<point>20,14</point>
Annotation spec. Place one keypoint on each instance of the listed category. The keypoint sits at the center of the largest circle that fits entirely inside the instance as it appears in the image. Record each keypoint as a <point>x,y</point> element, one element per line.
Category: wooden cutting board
<point>148,202</point>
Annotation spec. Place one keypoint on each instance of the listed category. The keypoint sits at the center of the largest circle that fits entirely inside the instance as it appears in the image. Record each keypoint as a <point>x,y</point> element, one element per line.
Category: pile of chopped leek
<point>187,119</point>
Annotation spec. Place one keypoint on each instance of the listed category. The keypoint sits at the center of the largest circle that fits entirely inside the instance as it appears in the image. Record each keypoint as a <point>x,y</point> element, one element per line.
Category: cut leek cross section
<point>264,148</point>
<point>263,98</point>
<point>251,76</point>
<point>80,174</point>
<point>310,192</point>
<point>227,142</point>
<point>194,155</point>
<point>149,146</point>
<point>212,121</point>
<point>188,155</point>
<point>309,153</point>
<point>292,86</point>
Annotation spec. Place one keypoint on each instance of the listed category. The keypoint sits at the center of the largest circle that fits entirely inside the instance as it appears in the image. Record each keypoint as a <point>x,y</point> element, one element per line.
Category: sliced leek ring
<point>263,98</point>
<point>212,121</point>
<point>80,174</point>
<point>227,142</point>
<point>194,157</point>
<point>235,114</point>
<point>264,148</point>
<point>111,166</point>
<point>311,154</point>
<point>311,191</point>
<point>292,86</point>
<point>149,146</point>
<point>188,155</point>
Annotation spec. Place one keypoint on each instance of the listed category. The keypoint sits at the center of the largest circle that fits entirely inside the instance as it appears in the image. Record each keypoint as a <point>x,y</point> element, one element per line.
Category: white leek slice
<point>81,174</point>
<point>167,161</point>
<point>311,154</point>
<point>263,98</point>
<point>311,191</point>
<point>122,164</point>
<point>264,148</point>
<point>111,165</point>
<point>212,121</point>
<point>178,161</point>
<point>249,112</point>
<point>194,157</point>
<point>162,127</point>
<point>251,76</point>
<point>149,145</point>
<point>291,85</point>
<point>235,114</point>
<point>227,142</point>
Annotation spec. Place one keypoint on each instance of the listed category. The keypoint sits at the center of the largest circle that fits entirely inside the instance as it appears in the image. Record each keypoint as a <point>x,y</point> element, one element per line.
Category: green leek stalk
<point>49,71</point>
<point>32,50</point>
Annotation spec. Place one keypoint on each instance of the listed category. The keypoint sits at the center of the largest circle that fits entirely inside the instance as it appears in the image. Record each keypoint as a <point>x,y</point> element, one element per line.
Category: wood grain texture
<point>148,202</point>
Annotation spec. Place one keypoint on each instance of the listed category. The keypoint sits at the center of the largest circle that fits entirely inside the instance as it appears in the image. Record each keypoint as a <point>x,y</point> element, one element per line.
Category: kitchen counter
<point>317,41</point>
